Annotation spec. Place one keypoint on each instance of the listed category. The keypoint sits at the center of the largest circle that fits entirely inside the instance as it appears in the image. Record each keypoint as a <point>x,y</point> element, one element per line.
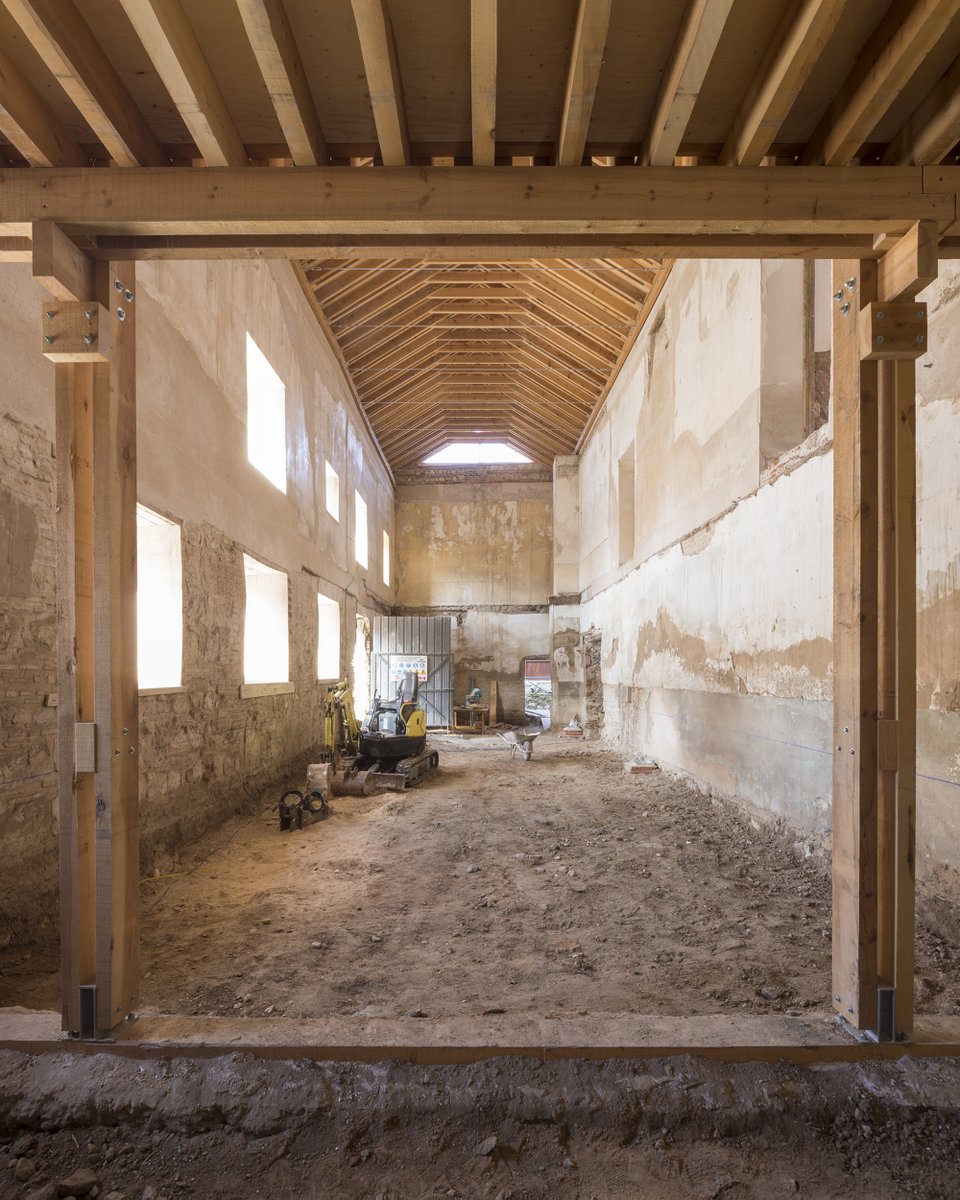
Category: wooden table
<point>471,718</point>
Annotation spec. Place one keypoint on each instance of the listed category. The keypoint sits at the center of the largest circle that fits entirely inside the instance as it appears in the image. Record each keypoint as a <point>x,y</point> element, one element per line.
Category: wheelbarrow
<point>520,739</point>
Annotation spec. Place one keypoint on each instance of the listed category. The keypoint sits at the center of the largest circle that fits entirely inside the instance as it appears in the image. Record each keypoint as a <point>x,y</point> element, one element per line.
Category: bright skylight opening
<point>458,454</point>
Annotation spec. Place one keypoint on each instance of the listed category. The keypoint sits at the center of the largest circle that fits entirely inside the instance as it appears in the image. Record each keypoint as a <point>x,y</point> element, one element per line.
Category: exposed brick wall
<point>204,751</point>
<point>28,668</point>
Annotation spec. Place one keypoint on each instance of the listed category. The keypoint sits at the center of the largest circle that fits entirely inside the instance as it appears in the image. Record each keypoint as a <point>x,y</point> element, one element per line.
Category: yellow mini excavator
<point>389,750</point>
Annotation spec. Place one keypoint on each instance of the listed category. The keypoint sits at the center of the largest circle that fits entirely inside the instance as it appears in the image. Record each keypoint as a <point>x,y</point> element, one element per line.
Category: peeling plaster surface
<point>473,548</point>
<point>717,636</point>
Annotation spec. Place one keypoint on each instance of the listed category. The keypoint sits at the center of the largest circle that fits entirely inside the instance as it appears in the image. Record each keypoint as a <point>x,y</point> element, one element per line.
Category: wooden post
<point>876,342</point>
<point>97,668</point>
<point>854,652</point>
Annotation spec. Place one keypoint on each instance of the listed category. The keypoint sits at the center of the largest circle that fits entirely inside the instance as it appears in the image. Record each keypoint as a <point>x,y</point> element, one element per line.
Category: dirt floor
<point>552,887</point>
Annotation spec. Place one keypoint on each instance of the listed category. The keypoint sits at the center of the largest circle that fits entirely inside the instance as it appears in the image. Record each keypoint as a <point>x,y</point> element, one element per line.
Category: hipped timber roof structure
<point>557,274</point>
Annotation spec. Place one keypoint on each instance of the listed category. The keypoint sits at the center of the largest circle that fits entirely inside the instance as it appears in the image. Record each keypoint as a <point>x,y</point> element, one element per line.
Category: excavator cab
<point>395,728</point>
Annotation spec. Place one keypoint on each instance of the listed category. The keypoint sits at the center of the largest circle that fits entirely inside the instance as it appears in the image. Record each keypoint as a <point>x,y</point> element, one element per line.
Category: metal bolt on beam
<point>88,339</point>
<point>49,314</point>
<point>49,338</point>
<point>121,315</point>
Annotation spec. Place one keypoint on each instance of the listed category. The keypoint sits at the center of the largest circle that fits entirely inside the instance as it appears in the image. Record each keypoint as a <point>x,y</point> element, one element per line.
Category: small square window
<point>266,639</point>
<point>332,492</point>
<point>360,530</point>
<point>266,417</point>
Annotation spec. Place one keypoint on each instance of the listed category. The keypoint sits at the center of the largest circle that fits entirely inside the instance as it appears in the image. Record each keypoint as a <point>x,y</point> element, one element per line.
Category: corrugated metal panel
<point>398,638</point>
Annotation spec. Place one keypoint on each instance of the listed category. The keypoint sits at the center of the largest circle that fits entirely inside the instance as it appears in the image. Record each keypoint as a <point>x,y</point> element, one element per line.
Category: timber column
<point>93,343</point>
<point>879,330</point>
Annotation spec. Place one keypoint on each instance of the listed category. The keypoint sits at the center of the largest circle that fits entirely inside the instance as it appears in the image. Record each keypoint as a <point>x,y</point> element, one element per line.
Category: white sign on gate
<point>401,664</point>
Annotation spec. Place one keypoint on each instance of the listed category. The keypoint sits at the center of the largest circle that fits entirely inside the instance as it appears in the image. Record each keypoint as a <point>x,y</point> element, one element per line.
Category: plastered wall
<point>205,751</point>
<point>477,544</point>
<point>716,651</point>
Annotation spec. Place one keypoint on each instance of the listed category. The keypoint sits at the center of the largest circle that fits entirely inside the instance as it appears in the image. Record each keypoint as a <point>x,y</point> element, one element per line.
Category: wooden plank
<point>911,264</point>
<point>275,47</point>
<point>382,69</point>
<point>884,67</point>
<point>906,800</point>
<point>64,41</point>
<point>583,73</point>
<point>796,46</point>
<point>27,123</point>
<point>483,80</point>
<point>75,681</point>
<point>115,659</point>
<point>59,264</point>
<point>690,59</point>
<point>931,132</point>
<point>176,55</point>
<point>855,655</point>
<point>482,201</point>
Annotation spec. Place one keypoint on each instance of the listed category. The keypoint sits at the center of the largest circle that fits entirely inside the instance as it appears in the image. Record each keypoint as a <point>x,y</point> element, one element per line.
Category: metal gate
<point>421,644</point>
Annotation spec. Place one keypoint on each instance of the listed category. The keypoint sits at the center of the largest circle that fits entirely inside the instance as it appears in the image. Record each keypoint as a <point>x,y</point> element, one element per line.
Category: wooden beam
<point>29,125</point>
<point>175,53</point>
<point>62,38</point>
<point>931,132</point>
<point>115,658</point>
<point>483,80</point>
<point>586,56</point>
<point>379,50</point>
<point>855,651</point>
<point>59,265</point>
<point>690,59</point>
<point>911,264</point>
<point>275,47</point>
<point>16,250</point>
<point>796,45</point>
<point>884,67</point>
<point>480,202</point>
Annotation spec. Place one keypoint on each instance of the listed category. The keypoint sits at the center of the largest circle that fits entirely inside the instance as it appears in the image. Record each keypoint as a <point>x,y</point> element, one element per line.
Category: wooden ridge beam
<point>63,39</point>
<point>796,45</point>
<point>483,80</point>
<point>932,131</point>
<point>692,53</point>
<point>172,47</point>
<point>379,50</point>
<point>583,73</point>
<point>29,125</point>
<point>892,55</point>
<point>655,203</point>
<point>278,57</point>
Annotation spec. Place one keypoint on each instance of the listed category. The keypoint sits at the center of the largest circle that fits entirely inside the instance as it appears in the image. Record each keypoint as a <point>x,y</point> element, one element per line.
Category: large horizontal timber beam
<point>481,212</point>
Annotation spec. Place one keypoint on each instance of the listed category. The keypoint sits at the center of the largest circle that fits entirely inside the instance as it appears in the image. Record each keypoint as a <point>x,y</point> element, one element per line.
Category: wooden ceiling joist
<point>586,56</point>
<point>177,58</point>
<point>703,23</point>
<point>27,122</point>
<point>64,41</point>
<point>934,129</point>
<point>382,69</point>
<point>901,42</point>
<point>483,81</point>
<point>800,38</point>
<point>278,57</point>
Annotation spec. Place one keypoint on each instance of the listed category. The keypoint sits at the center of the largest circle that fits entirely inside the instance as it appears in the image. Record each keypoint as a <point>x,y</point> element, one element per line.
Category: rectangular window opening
<point>328,638</point>
<point>159,601</point>
<point>266,417</point>
<point>626,505</point>
<point>266,639</point>
<point>360,530</point>
<point>537,689</point>
<point>332,491</point>
<point>386,559</point>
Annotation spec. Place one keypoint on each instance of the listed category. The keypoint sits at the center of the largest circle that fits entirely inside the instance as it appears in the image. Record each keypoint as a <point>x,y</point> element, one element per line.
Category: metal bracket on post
<point>88,1011</point>
<point>886,1014</point>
